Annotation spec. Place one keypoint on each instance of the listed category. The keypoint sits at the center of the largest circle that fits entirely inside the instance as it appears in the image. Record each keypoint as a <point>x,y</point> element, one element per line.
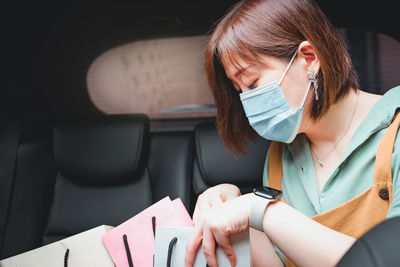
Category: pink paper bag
<point>132,242</point>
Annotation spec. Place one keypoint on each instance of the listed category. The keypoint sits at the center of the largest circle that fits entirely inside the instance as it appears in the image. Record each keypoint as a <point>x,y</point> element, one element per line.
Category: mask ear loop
<point>284,74</point>
<point>287,68</point>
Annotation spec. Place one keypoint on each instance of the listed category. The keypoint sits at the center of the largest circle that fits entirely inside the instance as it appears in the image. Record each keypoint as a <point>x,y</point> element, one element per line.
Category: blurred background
<point>78,60</point>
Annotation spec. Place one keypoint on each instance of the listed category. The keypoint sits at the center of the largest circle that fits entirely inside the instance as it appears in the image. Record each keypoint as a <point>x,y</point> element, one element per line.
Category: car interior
<point>105,109</point>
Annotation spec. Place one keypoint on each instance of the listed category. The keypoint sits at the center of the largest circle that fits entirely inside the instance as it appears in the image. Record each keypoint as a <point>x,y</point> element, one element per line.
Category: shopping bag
<point>170,248</point>
<point>83,249</point>
<point>132,242</point>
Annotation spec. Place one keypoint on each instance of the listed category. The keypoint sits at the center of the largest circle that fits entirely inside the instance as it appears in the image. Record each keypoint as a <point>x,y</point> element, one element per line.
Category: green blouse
<point>353,176</point>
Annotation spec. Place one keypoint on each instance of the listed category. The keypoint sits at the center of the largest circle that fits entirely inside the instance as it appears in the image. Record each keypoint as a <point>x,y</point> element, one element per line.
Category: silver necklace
<point>322,159</point>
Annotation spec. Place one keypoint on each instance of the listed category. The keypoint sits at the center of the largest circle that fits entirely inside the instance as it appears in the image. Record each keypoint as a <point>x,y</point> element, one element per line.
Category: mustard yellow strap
<point>275,165</point>
<point>383,161</point>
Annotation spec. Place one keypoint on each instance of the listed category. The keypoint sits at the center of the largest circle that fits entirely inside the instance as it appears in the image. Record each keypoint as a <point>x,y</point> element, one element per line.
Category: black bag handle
<point>66,258</point>
<point>128,251</point>
<point>153,222</point>
<point>170,248</point>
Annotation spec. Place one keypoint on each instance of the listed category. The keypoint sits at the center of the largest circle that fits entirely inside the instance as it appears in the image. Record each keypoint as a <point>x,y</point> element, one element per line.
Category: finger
<point>204,202</point>
<point>230,191</point>
<point>209,247</point>
<point>214,200</point>
<point>195,214</point>
<point>201,206</point>
<point>192,245</point>
<point>224,243</point>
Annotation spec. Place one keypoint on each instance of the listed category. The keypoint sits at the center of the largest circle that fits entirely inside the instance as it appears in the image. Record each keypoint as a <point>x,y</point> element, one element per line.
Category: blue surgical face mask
<point>269,112</point>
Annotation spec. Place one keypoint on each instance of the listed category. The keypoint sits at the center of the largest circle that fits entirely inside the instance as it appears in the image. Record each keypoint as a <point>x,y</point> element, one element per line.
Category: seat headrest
<point>108,150</point>
<point>218,166</point>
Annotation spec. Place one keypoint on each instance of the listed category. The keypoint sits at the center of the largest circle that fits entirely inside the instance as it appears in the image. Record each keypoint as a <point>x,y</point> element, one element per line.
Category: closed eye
<point>253,85</point>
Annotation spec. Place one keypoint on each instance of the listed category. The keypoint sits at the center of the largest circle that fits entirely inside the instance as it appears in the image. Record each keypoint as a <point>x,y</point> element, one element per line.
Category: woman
<point>278,68</point>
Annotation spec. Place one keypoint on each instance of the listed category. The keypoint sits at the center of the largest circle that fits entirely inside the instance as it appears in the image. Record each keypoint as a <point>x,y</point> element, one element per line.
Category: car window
<point>163,78</point>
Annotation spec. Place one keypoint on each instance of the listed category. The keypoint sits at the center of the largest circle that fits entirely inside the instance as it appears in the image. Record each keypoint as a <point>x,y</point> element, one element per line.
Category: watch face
<point>268,192</point>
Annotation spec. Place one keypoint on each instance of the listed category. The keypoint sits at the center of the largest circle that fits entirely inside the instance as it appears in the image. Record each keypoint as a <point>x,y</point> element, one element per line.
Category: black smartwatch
<point>262,196</point>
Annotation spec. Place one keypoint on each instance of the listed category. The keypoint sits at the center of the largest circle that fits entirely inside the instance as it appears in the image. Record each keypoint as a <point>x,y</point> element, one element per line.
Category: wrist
<point>261,198</point>
<point>269,213</point>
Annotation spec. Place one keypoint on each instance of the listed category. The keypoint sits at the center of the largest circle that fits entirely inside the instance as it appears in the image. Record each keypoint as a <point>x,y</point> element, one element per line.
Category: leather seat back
<point>102,177</point>
<point>27,181</point>
<point>31,198</point>
<point>170,165</point>
<point>214,165</point>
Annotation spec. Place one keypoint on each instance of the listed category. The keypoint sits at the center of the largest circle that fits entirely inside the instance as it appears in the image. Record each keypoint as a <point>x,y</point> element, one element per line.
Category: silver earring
<point>313,78</point>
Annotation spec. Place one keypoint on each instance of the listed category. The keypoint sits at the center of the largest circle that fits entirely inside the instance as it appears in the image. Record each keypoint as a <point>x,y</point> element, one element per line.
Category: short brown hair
<point>276,28</point>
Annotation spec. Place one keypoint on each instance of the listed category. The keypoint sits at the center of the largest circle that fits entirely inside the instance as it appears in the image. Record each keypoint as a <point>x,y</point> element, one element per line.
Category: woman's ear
<point>306,51</point>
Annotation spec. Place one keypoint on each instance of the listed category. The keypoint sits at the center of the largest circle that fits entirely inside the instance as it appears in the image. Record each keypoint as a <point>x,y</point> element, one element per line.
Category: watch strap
<point>258,206</point>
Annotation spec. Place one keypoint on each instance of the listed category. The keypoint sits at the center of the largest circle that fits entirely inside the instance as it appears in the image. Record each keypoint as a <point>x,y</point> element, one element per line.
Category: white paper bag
<point>241,245</point>
<point>165,238</point>
<point>85,249</point>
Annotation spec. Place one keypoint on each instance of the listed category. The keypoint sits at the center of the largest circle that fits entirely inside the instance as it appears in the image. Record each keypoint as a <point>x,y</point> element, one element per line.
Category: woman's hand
<point>215,226</point>
<point>213,196</point>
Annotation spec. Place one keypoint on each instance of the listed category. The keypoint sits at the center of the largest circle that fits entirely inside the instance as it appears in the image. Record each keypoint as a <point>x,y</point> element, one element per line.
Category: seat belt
<point>9,139</point>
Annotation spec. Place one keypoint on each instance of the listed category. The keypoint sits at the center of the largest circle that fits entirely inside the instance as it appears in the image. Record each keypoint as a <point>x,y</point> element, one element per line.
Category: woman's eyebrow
<point>240,71</point>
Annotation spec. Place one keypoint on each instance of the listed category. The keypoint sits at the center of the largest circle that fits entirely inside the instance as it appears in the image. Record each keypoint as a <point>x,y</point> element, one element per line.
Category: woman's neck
<point>342,119</point>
